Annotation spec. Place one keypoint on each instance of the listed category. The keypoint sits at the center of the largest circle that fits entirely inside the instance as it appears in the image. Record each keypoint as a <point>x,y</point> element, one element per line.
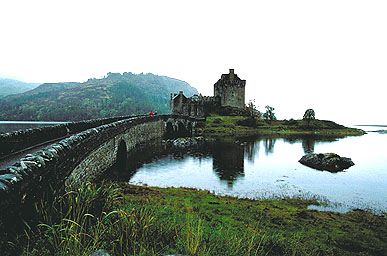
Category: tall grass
<point>94,217</point>
<point>89,218</point>
<point>192,240</point>
<point>73,223</point>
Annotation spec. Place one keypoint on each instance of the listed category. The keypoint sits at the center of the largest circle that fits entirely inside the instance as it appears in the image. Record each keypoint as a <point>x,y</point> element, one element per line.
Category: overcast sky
<point>327,55</point>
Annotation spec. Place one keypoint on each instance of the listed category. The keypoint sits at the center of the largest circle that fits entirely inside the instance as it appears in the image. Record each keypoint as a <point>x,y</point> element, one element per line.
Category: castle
<point>229,92</point>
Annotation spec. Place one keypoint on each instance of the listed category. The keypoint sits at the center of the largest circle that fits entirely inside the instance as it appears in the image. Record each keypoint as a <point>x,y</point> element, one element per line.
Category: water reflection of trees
<point>228,161</point>
<point>252,150</point>
<point>252,147</point>
<point>269,145</point>
<point>308,142</point>
<point>308,145</point>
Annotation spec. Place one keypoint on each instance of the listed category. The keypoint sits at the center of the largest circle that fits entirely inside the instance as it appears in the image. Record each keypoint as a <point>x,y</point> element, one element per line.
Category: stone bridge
<point>83,152</point>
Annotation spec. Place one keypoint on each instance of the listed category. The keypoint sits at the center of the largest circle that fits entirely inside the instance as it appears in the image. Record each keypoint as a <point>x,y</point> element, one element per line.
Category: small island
<point>227,115</point>
<point>242,126</point>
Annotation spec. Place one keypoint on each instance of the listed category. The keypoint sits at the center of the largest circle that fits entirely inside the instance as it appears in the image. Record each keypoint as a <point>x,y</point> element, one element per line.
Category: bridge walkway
<point>16,156</point>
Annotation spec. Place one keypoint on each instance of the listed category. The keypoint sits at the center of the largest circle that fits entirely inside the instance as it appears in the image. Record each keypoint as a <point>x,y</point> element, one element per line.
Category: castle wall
<point>188,106</point>
<point>230,95</point>
<point>179,104</point>
<point>231,90</point>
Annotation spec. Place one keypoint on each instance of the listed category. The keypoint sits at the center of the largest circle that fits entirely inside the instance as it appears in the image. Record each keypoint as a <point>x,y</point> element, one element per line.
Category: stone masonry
<point>229,91</point>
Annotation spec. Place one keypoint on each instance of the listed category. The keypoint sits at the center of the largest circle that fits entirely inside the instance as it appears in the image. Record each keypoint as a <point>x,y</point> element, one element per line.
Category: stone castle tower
<point>231,90</point>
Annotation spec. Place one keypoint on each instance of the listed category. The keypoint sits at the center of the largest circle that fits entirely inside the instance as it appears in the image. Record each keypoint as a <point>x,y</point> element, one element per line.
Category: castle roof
<point>230,79</point>
<point>178,95</point>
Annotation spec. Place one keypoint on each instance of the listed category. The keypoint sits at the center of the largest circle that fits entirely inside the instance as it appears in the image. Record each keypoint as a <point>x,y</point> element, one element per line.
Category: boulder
<point>329,161</point>
<point>188,142</point>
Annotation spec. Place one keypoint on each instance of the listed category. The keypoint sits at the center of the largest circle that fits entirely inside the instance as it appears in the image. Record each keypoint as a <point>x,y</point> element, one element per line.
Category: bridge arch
<point>181,129</point>
<point>169,130</point>
<point>189,129</point>
<point>121,164</point>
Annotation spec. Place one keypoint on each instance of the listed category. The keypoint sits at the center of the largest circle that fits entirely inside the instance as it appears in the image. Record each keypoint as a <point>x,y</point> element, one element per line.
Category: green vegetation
<point>10,86</point>
<point>112,95</point>
<point>131,220</point>
<point>269,113</point>
<point>252,109</point>
<point>240,126</point>
<point>309,115</point>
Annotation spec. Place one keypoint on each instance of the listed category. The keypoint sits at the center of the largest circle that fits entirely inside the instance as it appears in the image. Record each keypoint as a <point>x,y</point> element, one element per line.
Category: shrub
<point>218,121</point>
<point>249,122</point>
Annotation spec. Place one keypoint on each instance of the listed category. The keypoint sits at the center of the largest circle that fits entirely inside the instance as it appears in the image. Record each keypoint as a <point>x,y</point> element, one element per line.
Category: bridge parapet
<point>19,140</point>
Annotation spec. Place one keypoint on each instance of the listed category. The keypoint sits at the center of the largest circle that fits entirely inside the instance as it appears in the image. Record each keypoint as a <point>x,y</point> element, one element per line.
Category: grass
<point>239,126</point>
<point>131,220</point>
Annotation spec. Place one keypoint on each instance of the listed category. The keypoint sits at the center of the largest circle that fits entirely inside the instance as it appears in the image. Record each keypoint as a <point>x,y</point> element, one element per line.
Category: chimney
<point>231,74</point>
<point>180,92</point>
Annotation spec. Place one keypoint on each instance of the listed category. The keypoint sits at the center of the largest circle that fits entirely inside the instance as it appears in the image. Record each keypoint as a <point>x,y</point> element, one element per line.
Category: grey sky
<point>326,55</point>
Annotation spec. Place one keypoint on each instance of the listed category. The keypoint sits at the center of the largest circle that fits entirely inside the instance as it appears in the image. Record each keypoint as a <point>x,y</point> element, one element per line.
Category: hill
<point>11,86</point>
<point>115,94</point>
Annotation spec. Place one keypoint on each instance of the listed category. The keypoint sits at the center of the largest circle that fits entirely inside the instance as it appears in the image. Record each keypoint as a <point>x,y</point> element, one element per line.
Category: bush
<point>231,111</point>
<point>291,122</point>
<point>218,121</point>
<point>249,122</point>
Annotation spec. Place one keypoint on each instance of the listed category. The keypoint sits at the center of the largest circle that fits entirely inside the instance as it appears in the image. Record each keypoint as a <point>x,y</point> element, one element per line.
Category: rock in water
<point>329,161</point>
<point>187,142</point>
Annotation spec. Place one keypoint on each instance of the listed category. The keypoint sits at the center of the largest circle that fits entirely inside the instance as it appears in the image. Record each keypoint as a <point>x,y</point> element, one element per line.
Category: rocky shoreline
<point>187,142</point>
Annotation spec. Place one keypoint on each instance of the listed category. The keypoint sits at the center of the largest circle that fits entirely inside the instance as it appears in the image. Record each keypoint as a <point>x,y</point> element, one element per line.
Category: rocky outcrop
<point>187,142</point>
<point>328,161</point>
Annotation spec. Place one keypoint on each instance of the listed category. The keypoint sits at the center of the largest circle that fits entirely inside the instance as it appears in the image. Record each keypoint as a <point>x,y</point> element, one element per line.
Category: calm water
<point>266,168</point>
<point>10,126</point>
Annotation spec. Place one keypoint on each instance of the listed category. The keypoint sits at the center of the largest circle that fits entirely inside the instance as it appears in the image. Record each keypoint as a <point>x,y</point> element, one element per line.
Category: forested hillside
<point>11,86</point>
<point>115,94</point>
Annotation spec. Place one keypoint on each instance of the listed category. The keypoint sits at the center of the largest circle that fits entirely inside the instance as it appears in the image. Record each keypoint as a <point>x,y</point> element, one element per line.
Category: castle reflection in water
<point>228,157</point>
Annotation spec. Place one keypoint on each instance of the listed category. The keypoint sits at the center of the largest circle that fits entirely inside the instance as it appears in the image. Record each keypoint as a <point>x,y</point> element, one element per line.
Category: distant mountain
<point>115,94</point>
<point>11,86</point>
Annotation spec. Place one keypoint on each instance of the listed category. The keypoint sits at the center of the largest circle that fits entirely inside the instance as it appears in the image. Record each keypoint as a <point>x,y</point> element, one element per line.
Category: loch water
<point>268,168</point>
<point>11,126</point>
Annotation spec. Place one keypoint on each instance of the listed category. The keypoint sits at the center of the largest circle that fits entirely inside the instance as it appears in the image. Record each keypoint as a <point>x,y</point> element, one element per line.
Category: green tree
<point>269,114</point>
<point>309,115</point>
<point>253,110</point>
